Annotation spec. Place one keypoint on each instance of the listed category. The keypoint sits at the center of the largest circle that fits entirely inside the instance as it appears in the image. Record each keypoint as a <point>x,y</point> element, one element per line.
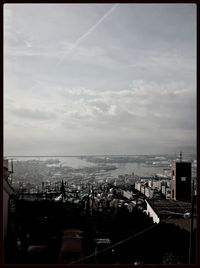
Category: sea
<point>138,168</point>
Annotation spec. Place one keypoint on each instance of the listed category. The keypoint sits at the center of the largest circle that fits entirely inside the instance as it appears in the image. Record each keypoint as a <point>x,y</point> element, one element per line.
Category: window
<point>183,178</point>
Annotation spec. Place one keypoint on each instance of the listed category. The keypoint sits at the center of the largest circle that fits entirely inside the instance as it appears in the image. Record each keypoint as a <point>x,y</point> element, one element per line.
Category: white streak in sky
<point>82,37</point>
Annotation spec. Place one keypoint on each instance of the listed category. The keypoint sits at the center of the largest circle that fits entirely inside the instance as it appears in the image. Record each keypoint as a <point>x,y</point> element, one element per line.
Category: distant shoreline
<point>86,155</point>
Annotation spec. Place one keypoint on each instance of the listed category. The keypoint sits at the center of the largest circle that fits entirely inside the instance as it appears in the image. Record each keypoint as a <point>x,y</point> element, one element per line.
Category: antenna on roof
<point>180,156</point>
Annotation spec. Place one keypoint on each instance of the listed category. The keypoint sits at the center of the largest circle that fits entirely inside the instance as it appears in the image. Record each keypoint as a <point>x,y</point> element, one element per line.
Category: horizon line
<point>95,155</point>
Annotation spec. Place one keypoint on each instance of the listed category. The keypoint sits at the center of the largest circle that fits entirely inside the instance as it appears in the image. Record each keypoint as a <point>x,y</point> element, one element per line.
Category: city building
<point>149,192</point>
<point>181,180</point>
<point>151,187</point>
<point>166,191</point>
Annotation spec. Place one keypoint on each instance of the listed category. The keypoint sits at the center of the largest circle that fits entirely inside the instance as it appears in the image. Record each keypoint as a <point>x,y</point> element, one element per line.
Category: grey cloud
<point>33,114</point>
<point>129,83</point>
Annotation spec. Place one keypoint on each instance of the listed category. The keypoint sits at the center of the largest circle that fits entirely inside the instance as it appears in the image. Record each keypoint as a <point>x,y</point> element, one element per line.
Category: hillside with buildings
<point>99,220</point>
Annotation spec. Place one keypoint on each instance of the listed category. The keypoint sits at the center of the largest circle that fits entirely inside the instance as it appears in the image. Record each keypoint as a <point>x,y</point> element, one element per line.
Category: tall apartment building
<point>181,181</point>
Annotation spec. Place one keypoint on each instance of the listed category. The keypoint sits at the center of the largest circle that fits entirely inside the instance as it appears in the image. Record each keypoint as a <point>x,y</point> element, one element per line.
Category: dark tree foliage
<point>42,222</point>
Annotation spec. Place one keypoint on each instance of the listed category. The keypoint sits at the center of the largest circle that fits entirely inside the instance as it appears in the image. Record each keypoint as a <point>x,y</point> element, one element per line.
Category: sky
<point>99,79</point>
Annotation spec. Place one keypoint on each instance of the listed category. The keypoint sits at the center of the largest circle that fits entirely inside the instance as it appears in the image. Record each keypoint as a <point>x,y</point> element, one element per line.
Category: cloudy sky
<point>99,78</point>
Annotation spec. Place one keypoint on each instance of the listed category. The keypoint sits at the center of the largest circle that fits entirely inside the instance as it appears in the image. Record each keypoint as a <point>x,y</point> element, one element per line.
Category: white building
<point>137,185</point>
<point>142,189</point>
<point>157,184</point>
<point>151,213</point>
<point>127,194</point>
<point>148,192</point>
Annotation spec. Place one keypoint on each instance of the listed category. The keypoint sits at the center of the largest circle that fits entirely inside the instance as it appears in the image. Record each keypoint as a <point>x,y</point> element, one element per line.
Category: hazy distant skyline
<point>99,78</point>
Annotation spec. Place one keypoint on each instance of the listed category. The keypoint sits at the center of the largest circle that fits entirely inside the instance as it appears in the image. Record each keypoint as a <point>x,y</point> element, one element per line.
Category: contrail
<point>82,37</point>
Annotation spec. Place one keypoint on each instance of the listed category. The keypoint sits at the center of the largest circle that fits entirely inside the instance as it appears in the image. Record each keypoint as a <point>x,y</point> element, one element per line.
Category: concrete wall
<point>151,213</point>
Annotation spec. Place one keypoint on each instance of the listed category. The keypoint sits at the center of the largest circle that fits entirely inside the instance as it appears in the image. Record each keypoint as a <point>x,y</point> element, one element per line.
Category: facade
<point>156,184</point>
<point>152,186</point>
<point>149,192</point>
<point>142,189</point>
<point>151,213</point>
<point>137,185</point>
<point>127,194</point>
<point>181,181</point>
<point>166,191</point>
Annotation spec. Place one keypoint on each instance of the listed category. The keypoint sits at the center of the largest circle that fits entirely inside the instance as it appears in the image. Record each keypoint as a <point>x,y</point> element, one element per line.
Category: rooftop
<point>170,206</point>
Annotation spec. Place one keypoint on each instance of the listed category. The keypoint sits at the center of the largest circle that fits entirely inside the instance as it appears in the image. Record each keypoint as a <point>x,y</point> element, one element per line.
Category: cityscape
<point>100,134</point>
<point>73,215</point>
